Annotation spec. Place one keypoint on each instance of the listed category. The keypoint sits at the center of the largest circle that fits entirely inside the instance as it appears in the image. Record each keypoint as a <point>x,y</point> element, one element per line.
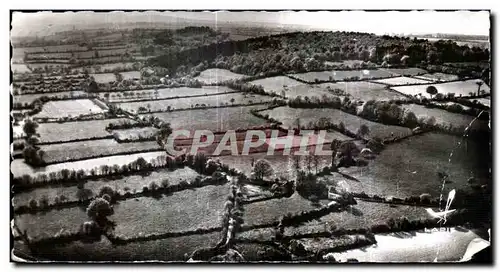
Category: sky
<point>394,22</point>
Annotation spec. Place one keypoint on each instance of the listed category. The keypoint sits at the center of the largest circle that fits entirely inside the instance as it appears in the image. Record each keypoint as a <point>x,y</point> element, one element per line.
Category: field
<point>177,247</point>
<point>283,166</point>
<point>396,81</point>
<point>87,149</point>
<point>69,131</point>
<point>18,167</point>
<point>50,48</point>
<point>171,213</point>
<point>361,214</point>
<point>340,75</point>
<point>104,78</point>
<point>132,75</point>
<point>29,98</point>
<point>194,102</point>
<point>216,75</point>
<point>44,225</point>
<point>446,118</point>
<point>363,90</point>
<point>411,167</point>
<point>459,88</point>
<point>107,66</point>
<point>134,133</point>
<point>166,207</point>
<point>418,246</point>
<point>165,93</point>
<point>276,84</point>
<point>405,71</point>
<point>289,115</point>
<point>68,108</point>
<point>131,183</point>
<point>438,77</point>
<point>484,101</point>
<point>219,119</point>
<point>18,68</point>
<point>269,211</point>
<point>304,90</point>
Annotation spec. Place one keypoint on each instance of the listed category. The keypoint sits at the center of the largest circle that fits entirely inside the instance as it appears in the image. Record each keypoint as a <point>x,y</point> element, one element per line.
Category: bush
<point>106,190</point>
<point>33,204</point>
<point>153,186</point>
<point>90,228</point>
<point>165,183</point>
<point>44,201</point>
<point>106,197</point>
<point>425,198</point>
<point>99,208</point>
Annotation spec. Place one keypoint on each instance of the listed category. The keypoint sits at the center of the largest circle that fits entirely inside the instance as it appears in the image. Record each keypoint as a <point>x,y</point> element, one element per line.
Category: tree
<point>232,100</point>
<point>262,169</point>
<point>99,208</point>
<point>106,190</point>
<point>29,127</point>
<point>479,84</point>
<point>410,120</point>
<point>297,123</point>
<point>363,130</point>
<point>431,90</point>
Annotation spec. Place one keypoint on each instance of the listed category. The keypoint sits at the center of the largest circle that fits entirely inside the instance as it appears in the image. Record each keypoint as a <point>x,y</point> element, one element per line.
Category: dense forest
<point>307,51</point>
